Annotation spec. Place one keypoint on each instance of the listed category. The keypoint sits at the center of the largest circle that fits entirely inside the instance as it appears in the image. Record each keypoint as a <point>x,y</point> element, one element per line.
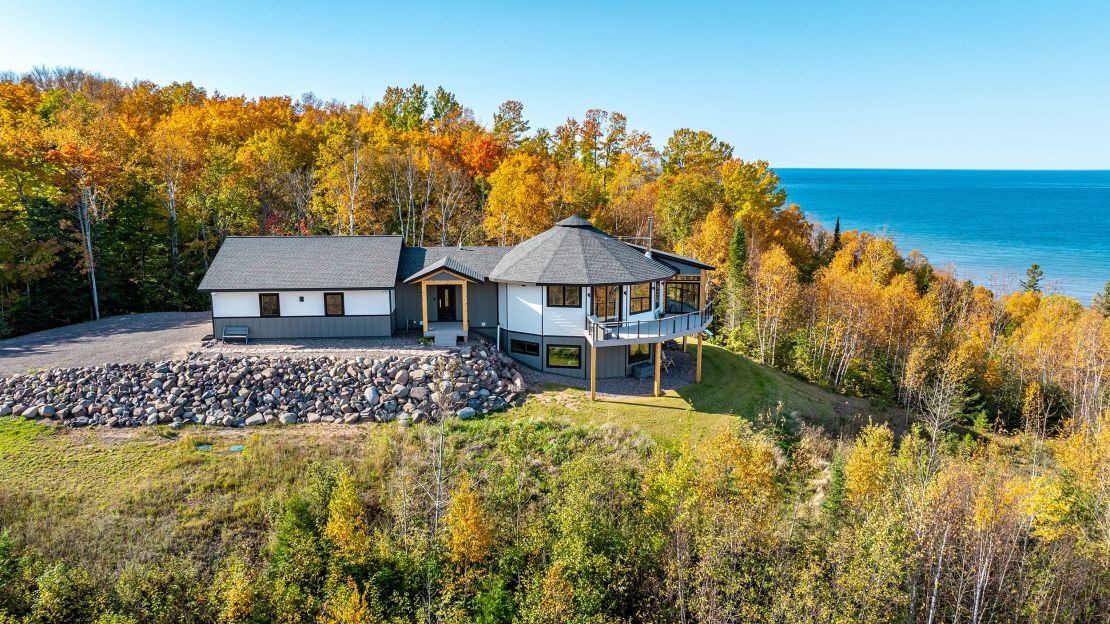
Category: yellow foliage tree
<point>709,242</point>
<point>515,209</point>
<point>774,293</point>
<point>346,526</point>
<point>867,466</point>
<point>469,540</point>
<point>348,605</point>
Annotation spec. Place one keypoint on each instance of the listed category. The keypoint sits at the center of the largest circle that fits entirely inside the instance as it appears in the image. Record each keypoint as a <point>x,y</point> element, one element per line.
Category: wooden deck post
<point>593,372</point>
<point>424,305</point>
<point>658,369</point>
<point>466,313</point>
<point>697,370</point>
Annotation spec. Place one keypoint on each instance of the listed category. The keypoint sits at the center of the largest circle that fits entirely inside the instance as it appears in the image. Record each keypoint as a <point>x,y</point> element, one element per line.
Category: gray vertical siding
<point>408,306</point>
<point>612,362</point>
<point>308,326</point>
<point>481,302</point>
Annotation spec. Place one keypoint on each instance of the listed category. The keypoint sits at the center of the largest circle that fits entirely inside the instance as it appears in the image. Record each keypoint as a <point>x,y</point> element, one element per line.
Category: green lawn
<point>732,387</point>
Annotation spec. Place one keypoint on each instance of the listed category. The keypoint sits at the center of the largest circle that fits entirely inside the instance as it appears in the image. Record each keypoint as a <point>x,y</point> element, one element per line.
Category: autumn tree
<point>516,198</point>
<point>774,292</point>
<point>694,151</point>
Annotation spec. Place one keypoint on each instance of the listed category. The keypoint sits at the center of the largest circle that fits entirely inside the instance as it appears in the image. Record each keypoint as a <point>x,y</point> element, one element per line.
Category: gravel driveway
<point>133,338</point>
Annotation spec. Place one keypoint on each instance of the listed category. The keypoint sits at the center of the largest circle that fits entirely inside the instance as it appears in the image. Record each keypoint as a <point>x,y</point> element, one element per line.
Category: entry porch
<point>444,302</point>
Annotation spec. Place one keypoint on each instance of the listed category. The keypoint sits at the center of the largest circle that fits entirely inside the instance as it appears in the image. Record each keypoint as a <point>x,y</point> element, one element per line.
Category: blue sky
<point>818,84</point>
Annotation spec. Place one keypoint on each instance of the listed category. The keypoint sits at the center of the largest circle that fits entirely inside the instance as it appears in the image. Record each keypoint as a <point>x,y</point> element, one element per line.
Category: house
<point>572,300</point>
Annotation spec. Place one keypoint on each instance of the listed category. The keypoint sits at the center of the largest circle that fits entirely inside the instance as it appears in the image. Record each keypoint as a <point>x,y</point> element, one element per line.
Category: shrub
<point>167,592</point>
<point>14,596</point>
<point>65,595</point>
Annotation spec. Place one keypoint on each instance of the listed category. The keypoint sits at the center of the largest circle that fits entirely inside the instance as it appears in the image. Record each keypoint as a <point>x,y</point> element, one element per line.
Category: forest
<point>991,503</point>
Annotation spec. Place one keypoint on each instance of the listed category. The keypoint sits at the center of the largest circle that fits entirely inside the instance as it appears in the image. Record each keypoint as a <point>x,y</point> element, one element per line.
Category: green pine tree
<point>1102,300</point>
<point>1033,277</point>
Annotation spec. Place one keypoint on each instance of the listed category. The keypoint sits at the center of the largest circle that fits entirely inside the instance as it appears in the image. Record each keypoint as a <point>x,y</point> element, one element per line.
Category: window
<point>564,297</point>
<point>639,353</point>
<point>640,299</point>
<point>607,303</point>
<point>524,347</point>
<point>269,304</point>
<point>683,296</point>
<point>564,356</point>
<point>333,304</point>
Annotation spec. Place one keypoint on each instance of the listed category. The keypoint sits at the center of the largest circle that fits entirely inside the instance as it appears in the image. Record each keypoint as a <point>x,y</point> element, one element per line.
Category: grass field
<point>732,387</point>
<point>101,495</point>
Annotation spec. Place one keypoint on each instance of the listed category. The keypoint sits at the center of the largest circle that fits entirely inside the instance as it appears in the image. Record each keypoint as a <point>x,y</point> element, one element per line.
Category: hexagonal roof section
<point>574,252</point>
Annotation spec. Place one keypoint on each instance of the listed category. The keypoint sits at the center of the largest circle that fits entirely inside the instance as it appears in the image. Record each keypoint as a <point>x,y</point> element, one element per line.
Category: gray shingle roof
<point>575,252</point>
<point>449,264</point>
<point>479,260</point>
<point>304,263</point>
<point>667,257</point>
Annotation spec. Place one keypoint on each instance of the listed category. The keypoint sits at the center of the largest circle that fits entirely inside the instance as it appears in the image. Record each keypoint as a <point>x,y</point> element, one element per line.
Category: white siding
<point>233,304</point>
<point>563,321</point>
<point>524,307</point>
<point>364,302</point>
<point>291,304</point>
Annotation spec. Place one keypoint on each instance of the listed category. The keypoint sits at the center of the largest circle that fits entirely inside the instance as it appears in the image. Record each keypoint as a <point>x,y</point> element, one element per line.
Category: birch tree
<point>774,293</point>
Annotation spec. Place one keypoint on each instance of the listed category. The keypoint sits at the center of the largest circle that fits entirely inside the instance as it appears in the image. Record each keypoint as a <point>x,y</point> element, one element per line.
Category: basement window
<point>524,347</point>
<point>639,353</point>
<point>564,356</point>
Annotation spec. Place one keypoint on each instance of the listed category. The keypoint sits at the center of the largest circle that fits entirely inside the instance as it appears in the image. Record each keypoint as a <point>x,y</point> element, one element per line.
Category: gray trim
<point>295,327</point>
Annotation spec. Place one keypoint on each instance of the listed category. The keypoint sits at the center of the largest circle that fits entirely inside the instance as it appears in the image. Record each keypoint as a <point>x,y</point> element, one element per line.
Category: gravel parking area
<point>133,338</point>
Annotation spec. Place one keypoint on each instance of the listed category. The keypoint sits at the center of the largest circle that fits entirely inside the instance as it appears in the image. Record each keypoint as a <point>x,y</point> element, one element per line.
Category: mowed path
<point>134,338</point>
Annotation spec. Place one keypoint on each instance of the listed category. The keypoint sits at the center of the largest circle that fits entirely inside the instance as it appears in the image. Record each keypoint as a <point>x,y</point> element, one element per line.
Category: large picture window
<point>564,297</point>
<point>564,356</point>
<point>524,347</point>
<point>269,304</point>
<point>333,304</point>
<point>683,296</point>
<point>639,353</point>
<point>639,299</point>
<point>606,304</point>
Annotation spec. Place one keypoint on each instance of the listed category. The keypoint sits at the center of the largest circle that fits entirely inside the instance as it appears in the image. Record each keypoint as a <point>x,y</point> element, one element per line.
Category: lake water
<point>991,225</point>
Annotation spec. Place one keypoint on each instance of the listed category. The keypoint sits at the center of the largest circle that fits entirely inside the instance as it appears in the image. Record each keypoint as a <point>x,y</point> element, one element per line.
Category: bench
<point>236,331</point>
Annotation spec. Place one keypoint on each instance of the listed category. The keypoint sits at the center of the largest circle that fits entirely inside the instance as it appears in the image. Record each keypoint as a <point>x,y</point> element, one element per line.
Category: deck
<point>666,327</point>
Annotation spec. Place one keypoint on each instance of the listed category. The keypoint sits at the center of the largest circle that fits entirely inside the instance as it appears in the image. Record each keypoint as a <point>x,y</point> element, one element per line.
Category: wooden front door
<point>445,303</point>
